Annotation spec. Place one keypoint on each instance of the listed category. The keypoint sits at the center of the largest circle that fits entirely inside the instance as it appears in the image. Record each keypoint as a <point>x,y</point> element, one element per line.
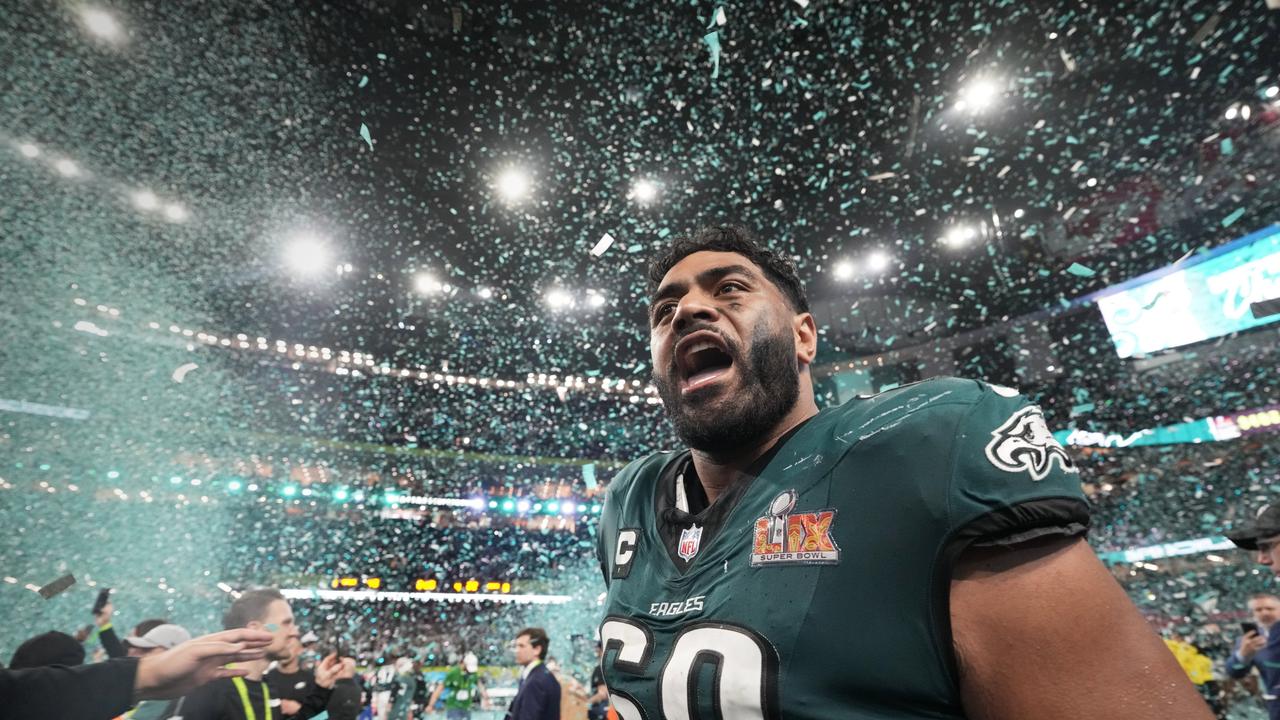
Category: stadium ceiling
<point>1035,136</point>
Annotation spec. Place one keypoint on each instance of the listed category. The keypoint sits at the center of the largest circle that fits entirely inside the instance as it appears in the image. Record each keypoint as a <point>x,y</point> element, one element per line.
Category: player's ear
<point>806,334</point>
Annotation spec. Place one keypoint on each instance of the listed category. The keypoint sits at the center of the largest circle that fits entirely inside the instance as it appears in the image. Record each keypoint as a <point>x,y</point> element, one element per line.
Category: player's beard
<point>739,417</point>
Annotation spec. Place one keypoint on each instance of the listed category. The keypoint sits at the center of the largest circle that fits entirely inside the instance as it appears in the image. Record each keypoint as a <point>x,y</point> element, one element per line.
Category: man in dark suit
<point>539,695</point>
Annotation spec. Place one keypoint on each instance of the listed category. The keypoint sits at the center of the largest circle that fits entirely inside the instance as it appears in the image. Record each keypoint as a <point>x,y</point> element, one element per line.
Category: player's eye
<point>732,286</point>
<point>662,311</point>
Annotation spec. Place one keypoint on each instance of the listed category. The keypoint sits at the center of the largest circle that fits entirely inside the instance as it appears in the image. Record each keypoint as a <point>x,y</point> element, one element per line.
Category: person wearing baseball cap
<point>1260,645</point>
<point>156,640</point>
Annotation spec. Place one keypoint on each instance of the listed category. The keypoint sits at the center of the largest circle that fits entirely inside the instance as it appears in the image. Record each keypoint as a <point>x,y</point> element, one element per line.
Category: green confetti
<point>1080,270</point>
<point>364,135</point>
<point>1230,220</point>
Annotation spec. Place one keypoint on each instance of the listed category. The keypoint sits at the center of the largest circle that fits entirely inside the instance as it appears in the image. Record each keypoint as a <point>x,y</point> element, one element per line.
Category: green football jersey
<point>463,687</point>
<point>818,587</point>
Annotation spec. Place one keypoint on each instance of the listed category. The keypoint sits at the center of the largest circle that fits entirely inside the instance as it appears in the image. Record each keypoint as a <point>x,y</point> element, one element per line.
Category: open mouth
<point>702,361</point>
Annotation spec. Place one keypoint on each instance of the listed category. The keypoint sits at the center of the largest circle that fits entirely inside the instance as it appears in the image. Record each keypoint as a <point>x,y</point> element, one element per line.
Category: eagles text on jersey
<point>818,587</point>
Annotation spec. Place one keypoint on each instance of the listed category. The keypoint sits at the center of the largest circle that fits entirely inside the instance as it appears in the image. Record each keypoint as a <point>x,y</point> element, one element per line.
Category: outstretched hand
<point>181,669</point>
<point>333,668</point>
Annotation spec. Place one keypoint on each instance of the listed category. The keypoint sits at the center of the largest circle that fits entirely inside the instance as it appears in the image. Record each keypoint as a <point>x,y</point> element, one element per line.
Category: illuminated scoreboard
<point>1203,298</point>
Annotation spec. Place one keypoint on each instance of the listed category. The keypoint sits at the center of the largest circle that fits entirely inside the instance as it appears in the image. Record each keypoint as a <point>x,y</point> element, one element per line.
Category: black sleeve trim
<point>1009,526</point>
<point>1003,527</point>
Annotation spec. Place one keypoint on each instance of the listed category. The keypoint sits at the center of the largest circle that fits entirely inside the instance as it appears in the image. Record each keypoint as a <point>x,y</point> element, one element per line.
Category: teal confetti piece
<point>1080,270</point>
<point>1228,147</point>
<point>1230,220</point>
<point>364,80</point>
<point>712,39</point>
<point>589,475</point>
<point>364,135</point>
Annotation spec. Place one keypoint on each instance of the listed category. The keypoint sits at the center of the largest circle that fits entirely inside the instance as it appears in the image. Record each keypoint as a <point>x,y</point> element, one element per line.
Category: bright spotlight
<point>145,200</point>
<point>484,293</point>
<point>513,185</point>
<point>843,270</point>
<point>959,236</point>
<point>559,299</point>
<point>1244,112</point>
<point>1019,213</point>
<point>878,260</point>
<point>977,96</point>
<point>426,284</point>
<point>173,212</point>
<point>595,299</point>
<point>100,23</point>
<point>29,150</point>
<point>1232,112</point>
<point>1272,91</point>
<point>644,191</point>
<point>66,168</point>
<point>307,254</point>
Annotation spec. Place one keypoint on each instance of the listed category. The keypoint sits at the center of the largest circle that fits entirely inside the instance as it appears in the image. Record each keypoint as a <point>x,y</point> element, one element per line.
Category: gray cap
<point>160,636</point>
<point>1265,525</point>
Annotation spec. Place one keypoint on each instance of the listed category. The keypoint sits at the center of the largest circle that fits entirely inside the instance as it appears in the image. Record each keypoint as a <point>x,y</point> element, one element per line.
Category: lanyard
<point>244,698</point>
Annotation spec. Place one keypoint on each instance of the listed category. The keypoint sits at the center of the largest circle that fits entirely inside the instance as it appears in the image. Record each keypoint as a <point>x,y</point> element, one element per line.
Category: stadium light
<point>843,270</point>
<point>29,150</point>
<point>101,23</point>
<point>1232,112</point>
<point>1245,111</point>
<point>644,191</point>
<point>978,96</point>
<point>173,212</point>
<point>426,284</point>
<point>513,184</point>
<point>595,299</point>
<point>66,168</point>
<point>1271,92</point>
<point>307,253</point>
<point>484,293</point>
<point>233,485</point>
<point>145,200</point>
<point>878,260</point>
<point>1019,213</point>
<point>959,236</point>
<point>558,299</point>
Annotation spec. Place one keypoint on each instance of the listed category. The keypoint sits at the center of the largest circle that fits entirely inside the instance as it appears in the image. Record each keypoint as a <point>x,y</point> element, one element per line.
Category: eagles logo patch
<point>1024,442</point>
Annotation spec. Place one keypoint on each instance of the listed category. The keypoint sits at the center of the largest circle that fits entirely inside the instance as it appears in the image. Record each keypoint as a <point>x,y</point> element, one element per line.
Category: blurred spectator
<point>104,690</point>
<point>289,681</point>
<point>240,698</point>
<point>407,682</point>
<point>153,636</point>
<point>1260,648</point>
<point>538,695</point>
<point>51,648</point>
<point>598,702</point>
<point>464,686</point>
<point>106,632</point>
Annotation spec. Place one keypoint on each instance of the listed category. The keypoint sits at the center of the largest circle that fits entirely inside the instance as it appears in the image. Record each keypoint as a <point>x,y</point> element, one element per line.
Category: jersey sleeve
<point>1011,480</point>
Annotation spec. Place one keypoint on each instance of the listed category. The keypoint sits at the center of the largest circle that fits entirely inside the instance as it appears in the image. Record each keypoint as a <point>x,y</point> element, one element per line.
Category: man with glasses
<point>1260,645</point>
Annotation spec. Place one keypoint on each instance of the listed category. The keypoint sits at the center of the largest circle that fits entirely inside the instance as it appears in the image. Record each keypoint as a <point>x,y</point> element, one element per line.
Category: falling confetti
<point>180,372</point>
<point>364,135</point>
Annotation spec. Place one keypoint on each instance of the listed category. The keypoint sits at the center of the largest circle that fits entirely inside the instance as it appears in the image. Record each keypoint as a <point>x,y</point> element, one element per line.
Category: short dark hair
<point>148,625</point>
<point>250,606</point>
<point>735,239</point>
<point>537,638</point>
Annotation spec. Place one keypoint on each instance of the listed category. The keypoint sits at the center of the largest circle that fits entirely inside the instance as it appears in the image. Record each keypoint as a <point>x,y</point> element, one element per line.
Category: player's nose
<point>692,308</point>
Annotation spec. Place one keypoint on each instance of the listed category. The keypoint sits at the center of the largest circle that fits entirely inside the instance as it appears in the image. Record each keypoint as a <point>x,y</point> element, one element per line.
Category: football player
<point>915,554</point>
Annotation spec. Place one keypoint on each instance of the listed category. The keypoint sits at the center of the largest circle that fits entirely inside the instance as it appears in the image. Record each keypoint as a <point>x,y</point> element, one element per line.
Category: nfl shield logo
<point>690,538</point>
